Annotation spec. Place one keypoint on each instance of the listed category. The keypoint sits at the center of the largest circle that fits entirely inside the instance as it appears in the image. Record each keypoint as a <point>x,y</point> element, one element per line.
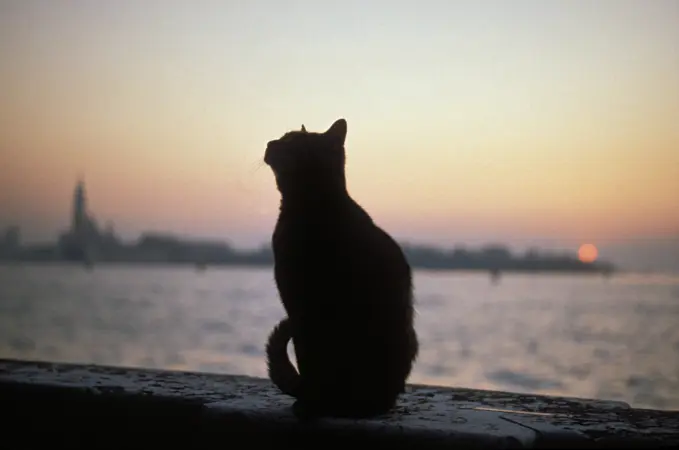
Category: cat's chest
<point>313,226</point>
<point>309,238</point>
<point>309,242</point>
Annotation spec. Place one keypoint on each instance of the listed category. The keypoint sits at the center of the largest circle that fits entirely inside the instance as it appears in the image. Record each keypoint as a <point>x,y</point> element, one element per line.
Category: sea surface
<point>583,335</point>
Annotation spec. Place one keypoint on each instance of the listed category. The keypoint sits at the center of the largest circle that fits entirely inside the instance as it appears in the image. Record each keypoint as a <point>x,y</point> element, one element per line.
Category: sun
<point>587,253</point>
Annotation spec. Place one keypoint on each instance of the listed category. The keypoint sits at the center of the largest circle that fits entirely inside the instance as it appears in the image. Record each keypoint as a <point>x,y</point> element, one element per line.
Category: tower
<point>79,219</point>
<point>77,245</point>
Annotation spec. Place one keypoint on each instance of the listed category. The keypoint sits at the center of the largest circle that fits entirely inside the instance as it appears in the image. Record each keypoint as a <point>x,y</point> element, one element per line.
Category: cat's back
<point>339,253</point>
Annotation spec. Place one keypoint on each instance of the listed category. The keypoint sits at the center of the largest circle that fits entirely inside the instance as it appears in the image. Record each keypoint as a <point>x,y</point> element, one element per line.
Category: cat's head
<point>308,160</point>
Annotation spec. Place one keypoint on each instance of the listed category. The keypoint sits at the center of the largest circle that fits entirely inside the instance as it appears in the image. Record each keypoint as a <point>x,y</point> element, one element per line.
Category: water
<point>567,335</point>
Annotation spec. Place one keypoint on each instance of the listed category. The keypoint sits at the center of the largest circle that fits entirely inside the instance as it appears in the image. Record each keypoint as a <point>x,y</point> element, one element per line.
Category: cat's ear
<point>338,131</point>
<point>303,129</point>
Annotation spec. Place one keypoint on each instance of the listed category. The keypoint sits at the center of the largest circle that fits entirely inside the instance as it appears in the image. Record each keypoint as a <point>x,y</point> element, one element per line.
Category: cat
<point>345,284</point>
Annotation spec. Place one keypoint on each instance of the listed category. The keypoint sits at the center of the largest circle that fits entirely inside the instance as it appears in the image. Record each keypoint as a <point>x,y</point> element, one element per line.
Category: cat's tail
<point>281,371</point>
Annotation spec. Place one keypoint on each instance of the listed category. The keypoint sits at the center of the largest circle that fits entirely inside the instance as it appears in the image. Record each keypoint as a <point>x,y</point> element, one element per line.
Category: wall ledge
<point>86,404</point>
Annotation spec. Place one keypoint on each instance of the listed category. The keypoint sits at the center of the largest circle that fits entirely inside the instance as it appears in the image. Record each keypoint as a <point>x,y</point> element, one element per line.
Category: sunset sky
<point>468,120</point>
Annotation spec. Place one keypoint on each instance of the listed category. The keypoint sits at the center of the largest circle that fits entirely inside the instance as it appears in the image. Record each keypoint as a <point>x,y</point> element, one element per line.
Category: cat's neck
<point>316,199</point>
<point>312,191</point>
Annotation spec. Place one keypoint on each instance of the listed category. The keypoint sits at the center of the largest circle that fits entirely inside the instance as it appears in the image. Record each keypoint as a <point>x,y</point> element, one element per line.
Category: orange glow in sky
<point>479,119</point>
<point>587,253</point>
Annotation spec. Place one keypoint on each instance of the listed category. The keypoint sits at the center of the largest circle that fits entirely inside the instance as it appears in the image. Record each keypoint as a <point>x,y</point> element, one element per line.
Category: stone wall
<point>93,406</point>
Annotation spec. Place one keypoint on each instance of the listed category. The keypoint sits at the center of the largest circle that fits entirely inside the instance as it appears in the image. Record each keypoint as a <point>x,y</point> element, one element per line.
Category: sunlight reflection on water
<point>569,335</point>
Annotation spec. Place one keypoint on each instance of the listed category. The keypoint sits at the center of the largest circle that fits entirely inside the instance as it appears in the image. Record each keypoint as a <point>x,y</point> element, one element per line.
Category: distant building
<point>83,226</point>
<point>496,253</point>
<point>11,242</point>
<point>12,238</point>
<point>84,240</point>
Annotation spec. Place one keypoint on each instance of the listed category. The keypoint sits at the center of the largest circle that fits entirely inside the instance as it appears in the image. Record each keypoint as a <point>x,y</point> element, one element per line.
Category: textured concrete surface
<point>78,402</point>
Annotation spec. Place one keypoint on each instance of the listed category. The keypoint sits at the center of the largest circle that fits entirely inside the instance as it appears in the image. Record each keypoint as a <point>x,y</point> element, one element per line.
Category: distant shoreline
<point>168,250</point>
<point>256,265</point>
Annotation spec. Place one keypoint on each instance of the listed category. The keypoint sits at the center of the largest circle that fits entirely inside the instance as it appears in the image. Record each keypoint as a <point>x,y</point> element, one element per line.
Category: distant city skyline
<point>524,123</point>
<point>656,254</point>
